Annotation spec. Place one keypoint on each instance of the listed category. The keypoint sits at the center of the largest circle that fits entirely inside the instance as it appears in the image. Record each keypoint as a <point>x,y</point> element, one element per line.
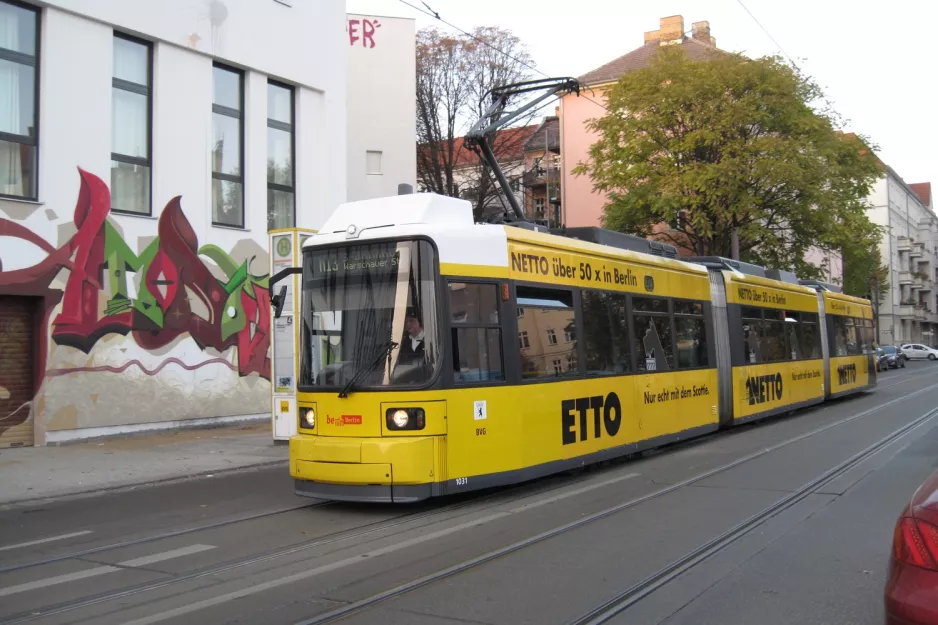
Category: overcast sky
<point>876,60</point>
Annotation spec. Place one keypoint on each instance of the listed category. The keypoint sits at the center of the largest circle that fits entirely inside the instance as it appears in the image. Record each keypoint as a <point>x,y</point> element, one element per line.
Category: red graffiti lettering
<point>177,293</point>
<point>368,28</point>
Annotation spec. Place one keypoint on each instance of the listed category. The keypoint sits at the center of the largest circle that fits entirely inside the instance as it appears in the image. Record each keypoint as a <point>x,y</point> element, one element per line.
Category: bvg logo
<point>847,374</point>
<point>608,411</point>
<point>346,419</point>
<point>764,388</point>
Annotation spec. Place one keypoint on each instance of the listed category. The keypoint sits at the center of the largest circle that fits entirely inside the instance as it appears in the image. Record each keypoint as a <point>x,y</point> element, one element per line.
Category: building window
<point>520,312</point>
<point>19,108</point>
<point>131,121</point>
<point>373,162</point>
<point>547,359</point>
<point>281,178</point>
<point>539,207</point>
<point>523,341</point>
<point>551,336</point>
<point>227,147</point>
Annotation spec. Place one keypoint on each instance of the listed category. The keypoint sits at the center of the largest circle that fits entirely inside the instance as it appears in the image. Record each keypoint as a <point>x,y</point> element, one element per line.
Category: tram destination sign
<point>351,261</point>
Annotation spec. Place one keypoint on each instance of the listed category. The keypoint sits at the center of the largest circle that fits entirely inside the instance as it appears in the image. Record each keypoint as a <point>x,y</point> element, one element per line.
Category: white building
<point>145,147</point>
<point>382,106</point>
<point>908,313</point>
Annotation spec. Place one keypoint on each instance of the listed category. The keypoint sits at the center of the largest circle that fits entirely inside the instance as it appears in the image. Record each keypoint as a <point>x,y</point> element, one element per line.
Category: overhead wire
<point>435,15</point>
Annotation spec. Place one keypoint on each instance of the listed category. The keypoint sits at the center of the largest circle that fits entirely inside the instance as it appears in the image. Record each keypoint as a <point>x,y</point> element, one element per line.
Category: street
<point>811,500</point>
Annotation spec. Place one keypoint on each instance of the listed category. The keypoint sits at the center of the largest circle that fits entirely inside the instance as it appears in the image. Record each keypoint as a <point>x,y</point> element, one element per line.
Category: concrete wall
<point>381,104</point>
<point>161,319</point>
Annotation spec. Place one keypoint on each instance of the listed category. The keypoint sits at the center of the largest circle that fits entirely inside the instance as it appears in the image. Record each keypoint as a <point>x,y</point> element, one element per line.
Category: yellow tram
<point>438,355</point>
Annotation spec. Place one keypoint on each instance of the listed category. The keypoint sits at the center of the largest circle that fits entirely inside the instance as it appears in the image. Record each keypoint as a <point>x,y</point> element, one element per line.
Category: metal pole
<point>735,242</point>
<point>876,306</point>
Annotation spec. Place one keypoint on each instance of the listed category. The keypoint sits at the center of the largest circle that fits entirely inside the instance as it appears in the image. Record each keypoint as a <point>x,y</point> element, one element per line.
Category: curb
<point>91,492</point>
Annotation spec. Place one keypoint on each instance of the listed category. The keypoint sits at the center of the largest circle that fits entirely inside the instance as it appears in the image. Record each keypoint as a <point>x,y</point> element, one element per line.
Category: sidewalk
<point>46,472</point>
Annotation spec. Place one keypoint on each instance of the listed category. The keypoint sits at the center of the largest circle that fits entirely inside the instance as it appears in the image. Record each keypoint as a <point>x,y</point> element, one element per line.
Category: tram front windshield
<point>369,316</point>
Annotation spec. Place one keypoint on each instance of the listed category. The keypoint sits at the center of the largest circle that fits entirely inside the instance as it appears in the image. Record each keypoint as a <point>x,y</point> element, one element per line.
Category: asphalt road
<point>735,528</point>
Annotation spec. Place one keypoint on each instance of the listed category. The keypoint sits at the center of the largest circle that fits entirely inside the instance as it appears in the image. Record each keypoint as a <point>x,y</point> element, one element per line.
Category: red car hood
<point>925,501</point>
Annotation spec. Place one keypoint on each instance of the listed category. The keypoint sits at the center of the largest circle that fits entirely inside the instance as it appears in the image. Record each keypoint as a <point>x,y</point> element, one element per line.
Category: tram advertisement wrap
<point>847,309</point>
<point>760,388</point>
<point>601,414</point>
<point>849,372</point>
<point>757,294</point>
<point>539,264</point>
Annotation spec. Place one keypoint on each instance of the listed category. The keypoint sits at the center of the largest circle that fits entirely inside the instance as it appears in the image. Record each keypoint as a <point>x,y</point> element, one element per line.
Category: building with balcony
<point>542,173</point>
<point>908,313</point>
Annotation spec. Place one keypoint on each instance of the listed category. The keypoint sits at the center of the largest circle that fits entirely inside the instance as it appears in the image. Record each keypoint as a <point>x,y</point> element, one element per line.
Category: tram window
<point>792,322</point>
<point>691,335</point>
<point>864,329</point>
<point>477,338</point>
<point>653,346</point>
<point>605,331</point>
<point>473,303</point>
<point>688,308</point>
<point>648,304</point>
<point>752,313</point>
<point>809,336</point>
<point>773,339</point>
<point>547,313</point>
<point>844,339</point>
<point>477,354</point>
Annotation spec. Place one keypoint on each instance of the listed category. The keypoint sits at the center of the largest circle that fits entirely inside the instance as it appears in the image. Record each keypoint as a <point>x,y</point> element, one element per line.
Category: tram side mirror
<point>278,301</point>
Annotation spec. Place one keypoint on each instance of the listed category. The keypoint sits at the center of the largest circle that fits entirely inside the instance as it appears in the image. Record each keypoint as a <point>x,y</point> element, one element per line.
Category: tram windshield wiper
<point>383,351</point>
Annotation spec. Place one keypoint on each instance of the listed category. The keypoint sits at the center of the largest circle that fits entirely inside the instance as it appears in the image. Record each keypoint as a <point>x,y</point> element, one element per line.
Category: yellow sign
<point>849,372</point>
<point>765,296</point>
<point>763,387</point>
<point>538,264</point>
<point>846,308</point>
<point>284,406</point>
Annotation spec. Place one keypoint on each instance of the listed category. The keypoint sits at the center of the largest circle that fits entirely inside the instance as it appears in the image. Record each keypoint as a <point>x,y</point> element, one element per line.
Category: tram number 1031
<point>606,413</point>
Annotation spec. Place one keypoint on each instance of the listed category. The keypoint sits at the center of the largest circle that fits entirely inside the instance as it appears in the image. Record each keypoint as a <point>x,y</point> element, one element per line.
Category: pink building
<point>581,205</point>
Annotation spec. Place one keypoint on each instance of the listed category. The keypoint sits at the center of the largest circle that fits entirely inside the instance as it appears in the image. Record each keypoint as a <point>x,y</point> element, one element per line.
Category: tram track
<point>670,572</point>
<point>673,570</point>
<point>499,496</point>
<point>319,504</point>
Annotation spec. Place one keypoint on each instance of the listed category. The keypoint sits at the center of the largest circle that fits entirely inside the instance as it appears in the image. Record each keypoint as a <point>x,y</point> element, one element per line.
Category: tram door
<point>285,251</point>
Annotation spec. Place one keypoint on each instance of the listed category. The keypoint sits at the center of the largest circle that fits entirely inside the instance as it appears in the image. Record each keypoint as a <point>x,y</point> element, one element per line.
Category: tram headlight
<point>308,418</point>
<point>406,419</point>
<point>400,419</point>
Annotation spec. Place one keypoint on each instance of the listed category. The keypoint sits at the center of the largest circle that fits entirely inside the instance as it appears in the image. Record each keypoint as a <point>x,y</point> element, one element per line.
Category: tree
<point>728,144</point>
<point>454,75</point>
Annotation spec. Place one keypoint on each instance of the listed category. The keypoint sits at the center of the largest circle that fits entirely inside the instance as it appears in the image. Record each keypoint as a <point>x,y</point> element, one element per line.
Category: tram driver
<point>412,363</point>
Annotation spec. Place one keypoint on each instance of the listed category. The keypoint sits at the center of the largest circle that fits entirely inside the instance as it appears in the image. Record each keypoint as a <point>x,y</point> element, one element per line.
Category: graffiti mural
<point>169,293</point>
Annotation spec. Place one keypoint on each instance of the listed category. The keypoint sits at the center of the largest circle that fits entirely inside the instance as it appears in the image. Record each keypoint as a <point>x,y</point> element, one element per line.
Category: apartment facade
<point>145,150</point>
<point>909,248</point>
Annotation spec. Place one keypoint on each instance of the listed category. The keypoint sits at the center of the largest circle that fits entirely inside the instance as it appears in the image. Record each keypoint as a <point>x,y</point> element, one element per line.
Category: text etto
<point>606,416</point>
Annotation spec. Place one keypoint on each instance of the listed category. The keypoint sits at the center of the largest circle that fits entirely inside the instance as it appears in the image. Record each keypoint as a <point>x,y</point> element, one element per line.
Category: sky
<point>875,60</point>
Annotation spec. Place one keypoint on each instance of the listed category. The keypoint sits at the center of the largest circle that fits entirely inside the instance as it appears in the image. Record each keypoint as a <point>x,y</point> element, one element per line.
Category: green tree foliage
<point>734,143</point>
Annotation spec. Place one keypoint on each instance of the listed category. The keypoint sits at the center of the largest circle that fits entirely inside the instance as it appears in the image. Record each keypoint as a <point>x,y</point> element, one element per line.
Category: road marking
<point>101,570</point>
<point>326,568</point>
<point>44,540</point>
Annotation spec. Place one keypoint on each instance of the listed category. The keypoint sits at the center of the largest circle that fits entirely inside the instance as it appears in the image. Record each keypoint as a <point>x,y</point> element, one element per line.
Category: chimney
<point>670,29</point>
<point>701,32</point>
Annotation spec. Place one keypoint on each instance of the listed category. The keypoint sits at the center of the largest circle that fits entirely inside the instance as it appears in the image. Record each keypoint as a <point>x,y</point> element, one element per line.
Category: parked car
<point>889,357</point>
<point>912,587</point>
<point>917,351</point>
